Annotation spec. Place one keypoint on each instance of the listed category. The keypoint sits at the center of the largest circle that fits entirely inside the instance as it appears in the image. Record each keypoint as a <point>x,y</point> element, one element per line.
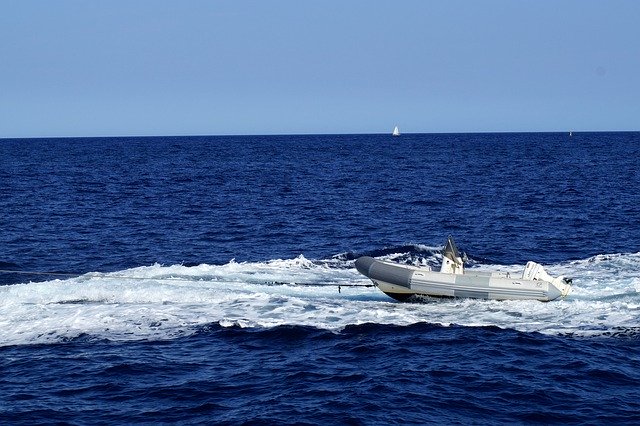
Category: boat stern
<point>563,285</point>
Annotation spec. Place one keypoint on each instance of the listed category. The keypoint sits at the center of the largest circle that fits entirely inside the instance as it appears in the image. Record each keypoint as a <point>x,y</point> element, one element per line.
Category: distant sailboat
<point>396,132</point>
<point>570,134</point>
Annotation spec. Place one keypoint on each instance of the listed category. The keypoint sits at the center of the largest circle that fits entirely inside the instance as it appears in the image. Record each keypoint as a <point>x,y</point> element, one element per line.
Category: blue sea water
<point>198,279</point>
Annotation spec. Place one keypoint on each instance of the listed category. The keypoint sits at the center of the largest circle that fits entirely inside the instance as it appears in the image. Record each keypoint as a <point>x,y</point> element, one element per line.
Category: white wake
<point>163,302</point>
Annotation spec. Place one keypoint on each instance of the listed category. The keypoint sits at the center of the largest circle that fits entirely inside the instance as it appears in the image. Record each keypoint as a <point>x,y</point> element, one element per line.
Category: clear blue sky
<point>154,67</point>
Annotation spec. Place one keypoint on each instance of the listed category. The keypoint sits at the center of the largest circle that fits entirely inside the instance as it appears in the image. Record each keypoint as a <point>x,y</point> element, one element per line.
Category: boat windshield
<point>450,250</point>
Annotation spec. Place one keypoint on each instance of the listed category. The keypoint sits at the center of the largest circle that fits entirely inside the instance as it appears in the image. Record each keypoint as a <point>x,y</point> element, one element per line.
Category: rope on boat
<point>124,277</point>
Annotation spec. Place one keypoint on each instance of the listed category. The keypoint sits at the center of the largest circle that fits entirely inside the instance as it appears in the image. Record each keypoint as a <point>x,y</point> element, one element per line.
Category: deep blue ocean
<point>211,280</point>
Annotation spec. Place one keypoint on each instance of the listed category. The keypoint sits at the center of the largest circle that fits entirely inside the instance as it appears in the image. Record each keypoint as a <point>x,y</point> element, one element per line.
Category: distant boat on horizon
<point>396,132</point>
<point>570,134</point>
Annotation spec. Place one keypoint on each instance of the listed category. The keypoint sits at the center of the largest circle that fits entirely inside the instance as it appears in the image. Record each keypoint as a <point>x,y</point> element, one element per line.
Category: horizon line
<point>310,134</point>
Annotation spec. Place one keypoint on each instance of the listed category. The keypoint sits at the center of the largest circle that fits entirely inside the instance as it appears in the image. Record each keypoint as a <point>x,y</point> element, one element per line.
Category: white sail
<point>396,132</point>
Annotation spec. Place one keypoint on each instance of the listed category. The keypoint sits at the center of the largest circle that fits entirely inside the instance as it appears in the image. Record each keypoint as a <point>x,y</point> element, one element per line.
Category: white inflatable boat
<point>403,281</point>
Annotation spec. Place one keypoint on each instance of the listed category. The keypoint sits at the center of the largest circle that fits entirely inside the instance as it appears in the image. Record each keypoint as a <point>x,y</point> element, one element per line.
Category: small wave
<point>391,252</point>
<point>609,258</point>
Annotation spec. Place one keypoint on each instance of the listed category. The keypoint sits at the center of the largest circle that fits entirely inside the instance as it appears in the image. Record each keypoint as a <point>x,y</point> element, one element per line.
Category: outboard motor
<point>535,272</point>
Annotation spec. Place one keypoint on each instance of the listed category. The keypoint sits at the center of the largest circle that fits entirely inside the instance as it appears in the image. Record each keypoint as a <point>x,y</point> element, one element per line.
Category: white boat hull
<point>403,281</point>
